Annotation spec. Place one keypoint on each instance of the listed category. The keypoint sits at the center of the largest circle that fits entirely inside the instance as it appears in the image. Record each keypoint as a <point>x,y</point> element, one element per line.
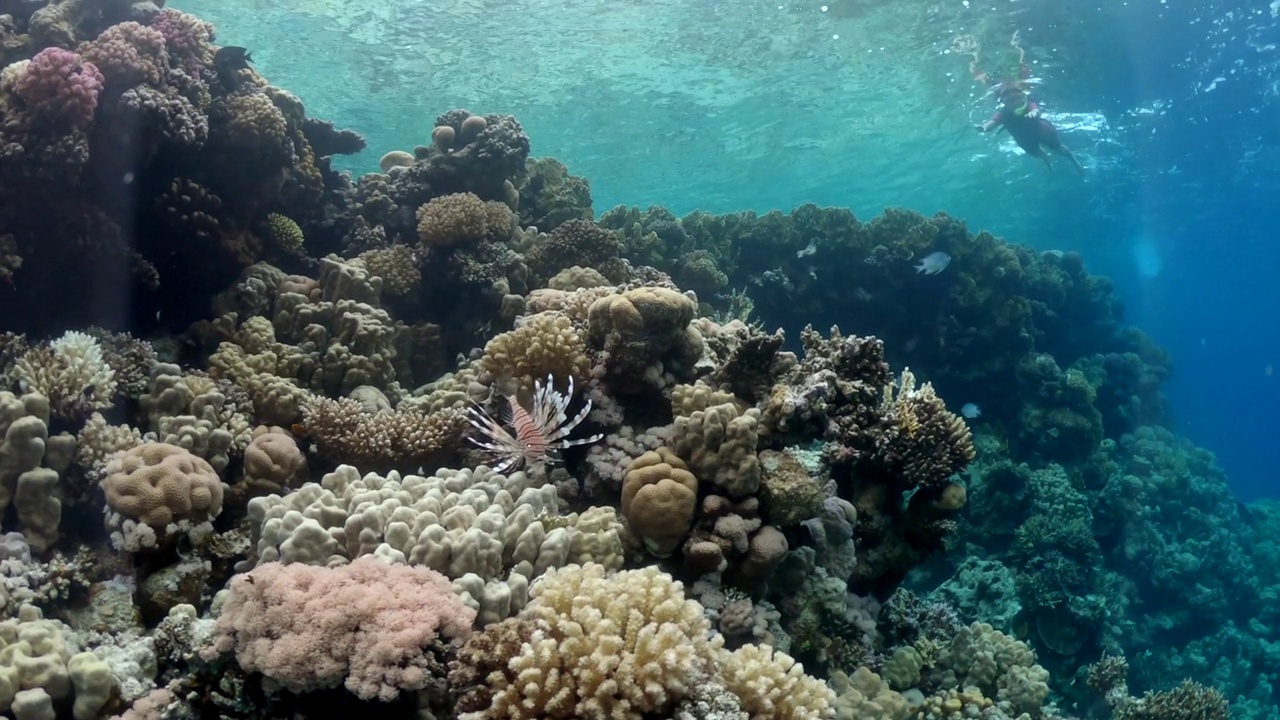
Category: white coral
<point>71,372</point>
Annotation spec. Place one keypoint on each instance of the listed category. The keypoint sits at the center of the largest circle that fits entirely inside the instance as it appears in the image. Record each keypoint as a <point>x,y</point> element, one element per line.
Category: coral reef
<point>275,483</point>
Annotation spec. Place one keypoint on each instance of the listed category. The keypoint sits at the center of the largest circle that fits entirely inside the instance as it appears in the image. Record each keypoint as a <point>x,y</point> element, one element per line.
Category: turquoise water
<point>288,434</point>
<point>767,105</point>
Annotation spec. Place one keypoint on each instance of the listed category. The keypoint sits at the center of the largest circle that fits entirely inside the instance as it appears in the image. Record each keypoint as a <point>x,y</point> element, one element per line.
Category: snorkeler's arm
<point>997,120</point>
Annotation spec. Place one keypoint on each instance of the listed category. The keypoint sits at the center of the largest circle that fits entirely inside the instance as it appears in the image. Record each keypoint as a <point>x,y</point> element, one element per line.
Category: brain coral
<point>157,484</point>
<point>659,496</point>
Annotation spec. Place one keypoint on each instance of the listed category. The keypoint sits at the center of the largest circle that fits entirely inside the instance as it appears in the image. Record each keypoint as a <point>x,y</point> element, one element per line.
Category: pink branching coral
<point>372,623</point>
<point>129,54</point>
<point>59,87</point>
<point>188,39</point>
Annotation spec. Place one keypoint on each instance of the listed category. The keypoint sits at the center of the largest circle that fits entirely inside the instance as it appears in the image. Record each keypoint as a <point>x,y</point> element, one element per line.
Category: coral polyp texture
<point>439,441</point>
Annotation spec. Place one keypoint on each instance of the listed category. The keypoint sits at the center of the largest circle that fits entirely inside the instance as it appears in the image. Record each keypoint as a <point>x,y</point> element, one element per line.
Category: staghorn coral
<point>376,628</point>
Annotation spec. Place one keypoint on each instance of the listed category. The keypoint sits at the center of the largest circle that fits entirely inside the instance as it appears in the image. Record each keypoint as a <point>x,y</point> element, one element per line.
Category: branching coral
<point>343,432</point>
<point>773,686</point>
<point>71,372</point>
<point>451,219</point>
<point>578,242</point>
<point>616,646</point>
<point>59,88</point>
<point>543,344</point>
<point>919,439</point>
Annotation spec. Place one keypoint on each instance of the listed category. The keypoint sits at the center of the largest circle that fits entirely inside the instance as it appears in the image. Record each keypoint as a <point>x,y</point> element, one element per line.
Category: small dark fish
<point>88,392</point>
<point>228,62</point>
<point>232,58</point>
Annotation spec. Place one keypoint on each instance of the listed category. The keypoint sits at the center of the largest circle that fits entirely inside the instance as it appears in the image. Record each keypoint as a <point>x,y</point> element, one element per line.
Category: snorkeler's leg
<point>1066,152</point>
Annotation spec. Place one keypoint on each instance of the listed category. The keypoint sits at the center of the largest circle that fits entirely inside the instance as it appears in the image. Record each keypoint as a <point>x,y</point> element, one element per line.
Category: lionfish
<point>540,432</point>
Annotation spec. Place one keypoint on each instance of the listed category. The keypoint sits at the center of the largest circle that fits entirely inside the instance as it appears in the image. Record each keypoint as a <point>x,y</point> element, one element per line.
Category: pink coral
<point>59,87</point>
<point>188,38</point>
<point>129,54</point>
<point>370,622</point>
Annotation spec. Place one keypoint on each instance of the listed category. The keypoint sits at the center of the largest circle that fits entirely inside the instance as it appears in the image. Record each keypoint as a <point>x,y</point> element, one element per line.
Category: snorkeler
<point>1021,117</point>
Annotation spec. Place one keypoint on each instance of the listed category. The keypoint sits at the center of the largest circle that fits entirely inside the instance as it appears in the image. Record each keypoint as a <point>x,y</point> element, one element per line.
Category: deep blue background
<point>1204,192</point>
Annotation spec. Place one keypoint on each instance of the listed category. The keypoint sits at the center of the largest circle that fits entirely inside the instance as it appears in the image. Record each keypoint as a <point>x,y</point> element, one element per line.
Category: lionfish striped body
<point>540,432</point>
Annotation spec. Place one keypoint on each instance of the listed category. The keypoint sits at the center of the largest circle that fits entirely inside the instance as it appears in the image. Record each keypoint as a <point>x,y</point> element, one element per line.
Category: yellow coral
<point>773,686</point>
<point>605,646</point>
<point>284,232</point>
<point>460,217</point>
<point>397,265</point>
<point>544,344</point>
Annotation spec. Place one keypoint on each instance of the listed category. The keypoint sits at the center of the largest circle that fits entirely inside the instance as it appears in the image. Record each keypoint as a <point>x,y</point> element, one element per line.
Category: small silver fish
<point>934,263</point>
<point>970,411</point>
